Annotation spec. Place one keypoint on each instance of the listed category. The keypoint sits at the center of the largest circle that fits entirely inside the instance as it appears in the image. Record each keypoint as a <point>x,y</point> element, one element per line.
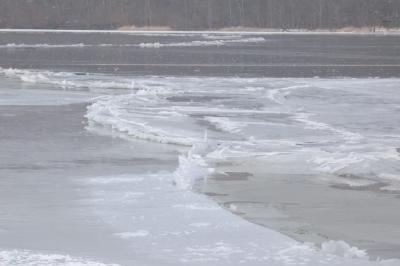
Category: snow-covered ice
<point>321,124</point>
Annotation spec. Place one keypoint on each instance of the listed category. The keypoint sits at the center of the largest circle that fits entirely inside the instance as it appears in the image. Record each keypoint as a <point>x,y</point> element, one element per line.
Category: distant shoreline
<point>124,30</point>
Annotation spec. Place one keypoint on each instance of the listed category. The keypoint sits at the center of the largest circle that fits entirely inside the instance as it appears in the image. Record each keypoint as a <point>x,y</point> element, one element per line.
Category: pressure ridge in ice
<point>242,119</point>
<point>331,134</point>
<point>221,42</point>
<point>209,40</point>
<point>192,168</point>
<point>328,124</point>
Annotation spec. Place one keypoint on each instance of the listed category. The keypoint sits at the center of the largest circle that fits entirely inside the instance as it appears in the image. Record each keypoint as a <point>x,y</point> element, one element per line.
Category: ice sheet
<point>314,123</point>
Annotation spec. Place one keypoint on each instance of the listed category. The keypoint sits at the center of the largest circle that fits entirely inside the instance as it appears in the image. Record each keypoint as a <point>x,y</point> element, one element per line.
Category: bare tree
<point>199,14</point>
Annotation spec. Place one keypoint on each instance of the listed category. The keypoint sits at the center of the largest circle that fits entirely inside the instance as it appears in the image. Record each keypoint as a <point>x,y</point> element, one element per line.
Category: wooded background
<point>199,14</point>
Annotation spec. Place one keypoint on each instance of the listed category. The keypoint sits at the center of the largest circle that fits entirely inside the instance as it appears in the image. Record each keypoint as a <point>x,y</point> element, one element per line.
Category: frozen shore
<point>105,168</point>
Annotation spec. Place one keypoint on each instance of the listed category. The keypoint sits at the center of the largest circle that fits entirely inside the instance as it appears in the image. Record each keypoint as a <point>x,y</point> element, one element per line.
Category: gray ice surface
<point>105,195</point>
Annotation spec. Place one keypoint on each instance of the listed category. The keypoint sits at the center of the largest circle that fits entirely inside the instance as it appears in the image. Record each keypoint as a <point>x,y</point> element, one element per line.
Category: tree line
<point>199,14</point>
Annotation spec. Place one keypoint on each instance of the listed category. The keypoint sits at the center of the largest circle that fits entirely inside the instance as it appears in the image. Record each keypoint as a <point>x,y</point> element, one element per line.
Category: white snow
<point>342,249</point>
<point>202,43</point>
<point>127,235</point>
<point>31,258</point>
<point>42,45</point>
<point>65,80</point>
<point>224,124</point>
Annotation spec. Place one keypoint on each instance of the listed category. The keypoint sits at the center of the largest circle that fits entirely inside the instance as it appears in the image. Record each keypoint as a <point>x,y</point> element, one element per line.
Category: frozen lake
<point>150,149</point>
<point>278,55</point>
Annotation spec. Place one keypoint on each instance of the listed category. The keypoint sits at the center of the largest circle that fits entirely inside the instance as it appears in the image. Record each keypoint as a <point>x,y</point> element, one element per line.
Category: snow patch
<point>342,249</point>
<point>128,235</point>
<point>222,42</point>
<point>197,207</point>
<point>31,258</point>
<point>113,180</point>
<point>200,225</point>
<point>65,80</point>
<point>224,124</point>
<point>42,45</point>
